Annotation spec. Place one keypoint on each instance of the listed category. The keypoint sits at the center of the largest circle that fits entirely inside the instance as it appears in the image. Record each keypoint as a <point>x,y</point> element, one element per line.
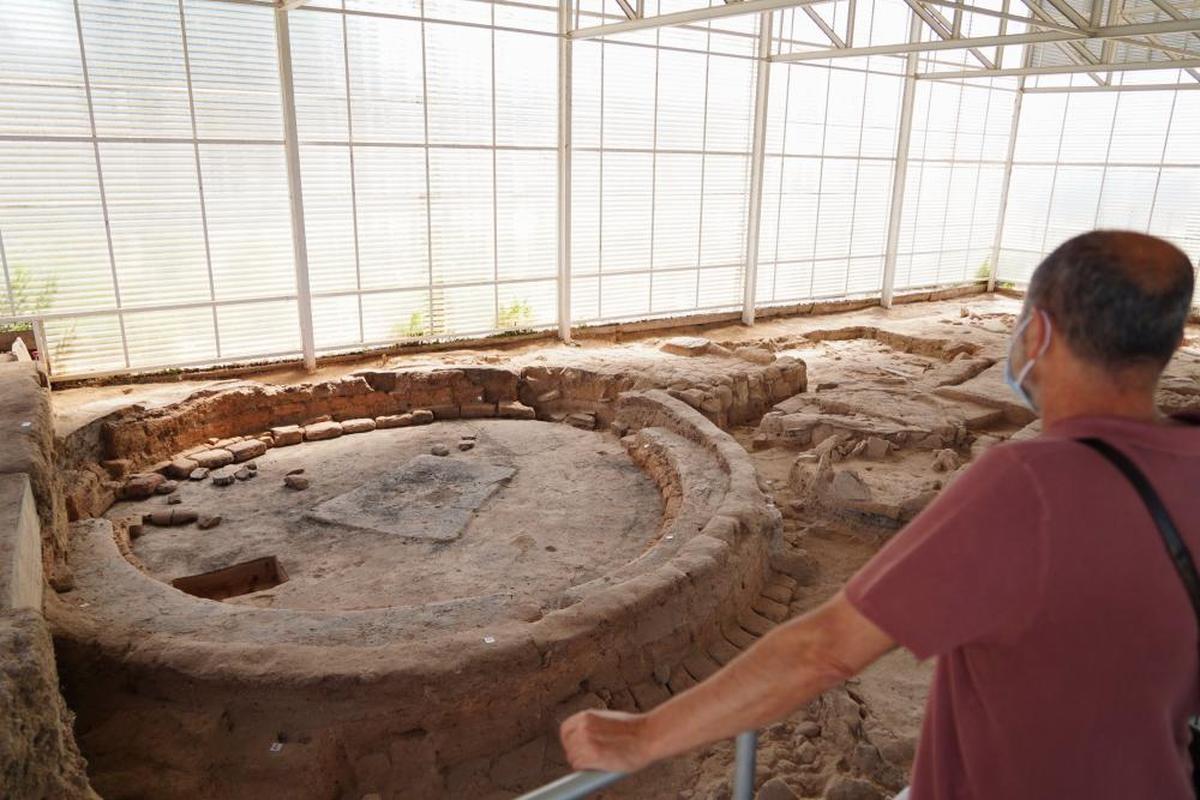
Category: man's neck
<point>1092,397</point>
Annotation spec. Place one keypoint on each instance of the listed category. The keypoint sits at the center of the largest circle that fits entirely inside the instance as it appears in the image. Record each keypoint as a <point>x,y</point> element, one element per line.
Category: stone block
<point>322,430</point>
<point>422,416</point>
<point>515,411</point>
<point>20,545</point>
<point>686,346</point>
<point>213,459</point>
<point>394,421</point>
<point>287,435</point>
<point>247,449</point>
<point>358,425</point>
<point>477,410</point>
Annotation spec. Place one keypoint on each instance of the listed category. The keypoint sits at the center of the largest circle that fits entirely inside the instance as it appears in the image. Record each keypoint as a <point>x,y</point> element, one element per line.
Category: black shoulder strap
<point>1181,557</point>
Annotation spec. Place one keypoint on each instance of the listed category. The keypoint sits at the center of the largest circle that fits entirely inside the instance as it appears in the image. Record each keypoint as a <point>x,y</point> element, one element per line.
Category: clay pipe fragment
<point>174,516</point>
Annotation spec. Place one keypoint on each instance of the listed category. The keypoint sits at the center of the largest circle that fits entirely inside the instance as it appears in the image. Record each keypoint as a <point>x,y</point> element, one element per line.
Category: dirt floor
<point>556,507</point>
<point>899,402</point>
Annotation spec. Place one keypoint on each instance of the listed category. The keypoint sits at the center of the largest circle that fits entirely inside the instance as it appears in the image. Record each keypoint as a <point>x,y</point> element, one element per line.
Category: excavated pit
<point>627,519</point>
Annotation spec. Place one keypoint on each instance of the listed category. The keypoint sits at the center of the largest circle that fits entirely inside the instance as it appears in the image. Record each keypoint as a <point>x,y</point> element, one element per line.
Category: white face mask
<point>1017,382</point>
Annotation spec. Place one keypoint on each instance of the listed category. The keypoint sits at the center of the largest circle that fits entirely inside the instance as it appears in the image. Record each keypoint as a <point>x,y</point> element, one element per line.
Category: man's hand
<point>781,672</point>
<point>611,741</point>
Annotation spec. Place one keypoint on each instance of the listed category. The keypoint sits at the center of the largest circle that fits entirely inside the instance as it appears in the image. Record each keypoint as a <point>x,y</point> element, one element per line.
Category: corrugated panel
<point>41,80</point>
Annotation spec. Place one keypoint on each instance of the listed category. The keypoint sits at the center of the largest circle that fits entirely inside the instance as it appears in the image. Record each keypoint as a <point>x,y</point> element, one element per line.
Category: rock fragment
<point>422,416</point>
<point>167,487</point>
<point>583,420</point>
<point>198,474</point>
<point>394,421</point>
<point>181,468</point>
<point>207,521</point>
<point>244,474</point>
<point>358,425</point>
<point>246,450</point>
<point>297,482</point>
<point>466,444</point>
<point>686,346</point>
<point>223,477</point>
<point>172,517</point>
<point>515,411</point>
<point>440,449</point>
<point>287,435</point>
<point>322,430</point>
<point>141,486</point>
<point>213,459</point>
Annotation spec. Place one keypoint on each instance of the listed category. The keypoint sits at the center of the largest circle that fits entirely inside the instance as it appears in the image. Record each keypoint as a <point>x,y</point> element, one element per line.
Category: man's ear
<point>1035,333</point>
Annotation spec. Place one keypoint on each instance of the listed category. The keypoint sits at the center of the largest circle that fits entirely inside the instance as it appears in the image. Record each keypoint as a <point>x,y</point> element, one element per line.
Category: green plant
<point>27,297</point>
<point>517,315</point>
<point>415,328</point>
<point>984,271</point>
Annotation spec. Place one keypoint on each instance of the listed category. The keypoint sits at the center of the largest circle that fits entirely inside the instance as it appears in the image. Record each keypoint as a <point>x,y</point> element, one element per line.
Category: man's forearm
<point>784,670</point>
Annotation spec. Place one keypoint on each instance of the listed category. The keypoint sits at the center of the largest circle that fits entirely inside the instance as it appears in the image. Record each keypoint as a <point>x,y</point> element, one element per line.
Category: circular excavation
<point>413,612</point>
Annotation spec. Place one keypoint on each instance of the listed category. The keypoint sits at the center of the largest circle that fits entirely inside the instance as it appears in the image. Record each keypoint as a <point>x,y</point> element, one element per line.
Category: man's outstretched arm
<point>782,671</point>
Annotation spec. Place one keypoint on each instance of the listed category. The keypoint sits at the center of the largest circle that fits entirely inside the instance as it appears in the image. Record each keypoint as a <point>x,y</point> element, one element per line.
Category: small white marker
<point>276,747</point>
<point>670,536</point>
<point>489,640</point>
<point>26,424</point>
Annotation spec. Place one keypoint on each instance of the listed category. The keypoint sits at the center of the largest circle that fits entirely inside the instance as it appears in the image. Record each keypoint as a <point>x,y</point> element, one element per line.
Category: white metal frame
<point>1173,43</point>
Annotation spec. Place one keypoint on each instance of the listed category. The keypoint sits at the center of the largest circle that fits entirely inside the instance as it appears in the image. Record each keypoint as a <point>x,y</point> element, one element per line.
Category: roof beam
<point>938,24</point>
<point>1036,37</point>
<point>686,17</point>
<point>1064,69</point>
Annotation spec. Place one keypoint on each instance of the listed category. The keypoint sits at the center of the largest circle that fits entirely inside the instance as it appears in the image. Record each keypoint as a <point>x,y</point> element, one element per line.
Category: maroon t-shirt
<point>1067,647</point>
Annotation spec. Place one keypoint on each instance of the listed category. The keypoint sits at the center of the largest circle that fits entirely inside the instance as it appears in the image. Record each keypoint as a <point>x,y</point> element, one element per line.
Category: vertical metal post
<point>743,771</point>
<point>888,290</point>
<point>757,157</point>
<point>291,146</point>
<point>564,170</point>
<point>1008,167</point>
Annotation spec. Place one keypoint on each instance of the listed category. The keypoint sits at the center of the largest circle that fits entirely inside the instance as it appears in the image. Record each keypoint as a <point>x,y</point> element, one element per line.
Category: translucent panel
<point>526,96</point>
<point>585,213</point>
<point>387,100</point>
<point>156,222</point>
<point>1028,205</point>
<point>680,122</point>
<point>235,77</point>
<point>395,316</point>
<point>526,304</point>
<point>719,288</point>
<point>135,62</point>
<point>41,80</point>
<point>730,107</point>
<point>624,296</point>
<point>674,291</point>
<point>585,93</point>
<point>336,322</point>
<point>249,220</point>
<point>53,226</point>
<point>677,210</point>
<point>460,219</point>
<point>1183,143</point>
<point>1073,203</point>
<point>80,345</point>
<point>1126,197</point>
<point>319,76</point>
<point>1139,131</point>
<point>1087,126</point>
<point>329,217</point>
<point>393,226</point>
<point>625,217</point>
<point>526,214</point>
<point>723,224</point>
<point>1041,127</point>
<point>259,329</point>
<point>628,96</point>
<point>459,84</point>
<point>464,310</point>
<point>166,338</point>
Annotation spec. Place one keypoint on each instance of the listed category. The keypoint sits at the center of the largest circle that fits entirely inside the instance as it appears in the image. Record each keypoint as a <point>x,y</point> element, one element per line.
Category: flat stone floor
<point>574,508</point>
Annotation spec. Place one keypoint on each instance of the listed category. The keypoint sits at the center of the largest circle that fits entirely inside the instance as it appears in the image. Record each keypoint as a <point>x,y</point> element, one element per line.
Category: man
<point>1066,645</point>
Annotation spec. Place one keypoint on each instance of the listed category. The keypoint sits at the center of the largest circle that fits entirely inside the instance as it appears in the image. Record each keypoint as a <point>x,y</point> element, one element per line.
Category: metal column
<point>758,155</point>
<point>993,265</point>
<point>743,769</point>
<point>564,170</point>
<point>888,289</point>
<point>295,192</point>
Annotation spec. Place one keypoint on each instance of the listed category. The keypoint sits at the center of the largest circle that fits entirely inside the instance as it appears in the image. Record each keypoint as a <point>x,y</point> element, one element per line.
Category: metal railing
<point>579,785</point>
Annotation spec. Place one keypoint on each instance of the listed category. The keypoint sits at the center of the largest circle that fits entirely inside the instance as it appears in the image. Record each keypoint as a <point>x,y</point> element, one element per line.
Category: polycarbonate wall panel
<point>830,159</point>
<point>1126,160</point>
<point>955,175</point>
<point>429,170</point>
<point>663,122</point>
<point>174,137</point>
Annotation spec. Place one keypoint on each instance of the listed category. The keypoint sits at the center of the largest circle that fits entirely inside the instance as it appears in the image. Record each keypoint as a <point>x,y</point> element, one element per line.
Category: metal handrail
<point>579,785</point>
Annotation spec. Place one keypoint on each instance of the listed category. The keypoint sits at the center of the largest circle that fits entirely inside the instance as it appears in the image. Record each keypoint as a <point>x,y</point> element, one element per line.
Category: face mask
<point>1017,383</point>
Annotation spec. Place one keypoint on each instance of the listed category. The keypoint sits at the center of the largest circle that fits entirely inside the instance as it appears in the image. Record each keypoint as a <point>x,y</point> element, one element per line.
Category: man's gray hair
<point>1119,298</point>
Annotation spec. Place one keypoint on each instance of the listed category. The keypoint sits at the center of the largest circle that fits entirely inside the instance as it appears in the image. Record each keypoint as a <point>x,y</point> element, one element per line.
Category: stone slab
<point>20,545</point>
<point>428,498</point>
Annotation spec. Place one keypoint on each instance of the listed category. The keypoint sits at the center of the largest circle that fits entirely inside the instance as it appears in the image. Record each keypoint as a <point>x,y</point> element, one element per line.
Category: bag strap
<point>1181,557</point>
